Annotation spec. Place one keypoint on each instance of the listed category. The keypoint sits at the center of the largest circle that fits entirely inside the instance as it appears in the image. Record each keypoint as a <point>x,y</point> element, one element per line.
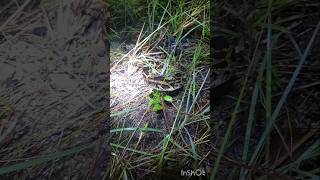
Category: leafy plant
<point>157,99</point>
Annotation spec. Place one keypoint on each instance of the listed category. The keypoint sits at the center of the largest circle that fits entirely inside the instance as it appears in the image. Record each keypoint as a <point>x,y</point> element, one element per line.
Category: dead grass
<point>53,65</point>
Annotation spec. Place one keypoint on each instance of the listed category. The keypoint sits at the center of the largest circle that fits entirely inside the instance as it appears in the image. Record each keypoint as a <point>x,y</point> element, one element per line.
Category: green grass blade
<point>254,100</point>
<point>38,161</point>
<point>269,77</point>
<point>284,96</point>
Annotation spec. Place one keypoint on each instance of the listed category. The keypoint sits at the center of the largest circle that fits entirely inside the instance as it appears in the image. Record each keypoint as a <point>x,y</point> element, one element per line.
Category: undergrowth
<point>263,32</point>
<point>180,145</point>
<point>259,138</point>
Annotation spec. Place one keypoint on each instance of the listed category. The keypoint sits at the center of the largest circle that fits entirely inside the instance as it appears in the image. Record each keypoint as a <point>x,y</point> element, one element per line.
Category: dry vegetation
<point>53,66</point>
<point>145,141</point>
<point>264,120</point>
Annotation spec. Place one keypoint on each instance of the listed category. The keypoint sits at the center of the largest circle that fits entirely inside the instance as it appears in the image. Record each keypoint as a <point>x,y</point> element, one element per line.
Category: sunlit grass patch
<point>156,132</point>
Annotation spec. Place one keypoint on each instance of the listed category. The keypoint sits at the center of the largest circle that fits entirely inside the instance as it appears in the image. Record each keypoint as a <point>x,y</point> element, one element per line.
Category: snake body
<point>161,82</point>
<point>220,74</point>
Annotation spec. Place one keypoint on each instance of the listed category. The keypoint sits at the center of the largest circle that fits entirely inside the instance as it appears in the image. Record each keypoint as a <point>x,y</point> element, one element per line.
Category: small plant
<point>157,99</point>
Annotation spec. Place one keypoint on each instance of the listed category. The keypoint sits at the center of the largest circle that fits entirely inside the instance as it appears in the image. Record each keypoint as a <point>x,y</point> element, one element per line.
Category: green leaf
<point>156,94</point>
<point>152,102</point>
<point>157,107</point>
<point>167,98</point>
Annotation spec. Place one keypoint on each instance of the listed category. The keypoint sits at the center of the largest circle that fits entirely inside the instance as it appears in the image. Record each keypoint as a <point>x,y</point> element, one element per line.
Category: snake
<point>162,83</point>
<point>169,82</point>
<point>220,75</point>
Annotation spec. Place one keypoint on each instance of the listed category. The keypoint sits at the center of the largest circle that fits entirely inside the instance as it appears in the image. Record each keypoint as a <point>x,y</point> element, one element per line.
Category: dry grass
<point>53,65</point>
<point>144,142</point>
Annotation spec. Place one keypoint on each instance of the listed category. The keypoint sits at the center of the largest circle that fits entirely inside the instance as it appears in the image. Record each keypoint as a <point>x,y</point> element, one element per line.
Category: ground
<point>53,61</point>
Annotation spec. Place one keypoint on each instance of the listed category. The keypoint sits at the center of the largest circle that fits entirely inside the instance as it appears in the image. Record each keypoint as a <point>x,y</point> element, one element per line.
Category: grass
<point>33,143</point>
<point>256,130</point>
<point>40,160</point>
<point>255,33</point>
<point>258,155</point>
<point>166,19</point>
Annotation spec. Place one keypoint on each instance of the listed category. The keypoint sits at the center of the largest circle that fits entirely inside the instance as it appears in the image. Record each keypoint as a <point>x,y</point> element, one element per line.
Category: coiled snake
<point>220,74</point>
